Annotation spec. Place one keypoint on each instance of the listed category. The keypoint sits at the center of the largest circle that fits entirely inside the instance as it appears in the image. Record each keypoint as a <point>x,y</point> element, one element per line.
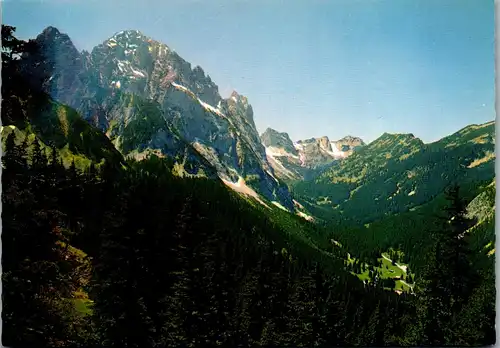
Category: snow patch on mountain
<point>336,153</point>
<point>176,85</point>
<point>277,152</point>
<point>211,108</point>
<point>279,167</point>
<point>305,156</point>
<point>298,146</point>
<point>241,187</point>
<point>205,105</point>
<point>220,130</point>
<point>278,204</point>
<point>302,158</point>
<point>125,67</point>
<point>305,216</point>
<point>272,176</point>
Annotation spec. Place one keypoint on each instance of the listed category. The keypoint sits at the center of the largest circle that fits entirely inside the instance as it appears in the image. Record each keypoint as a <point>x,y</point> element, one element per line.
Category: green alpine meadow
<point>141,208</point>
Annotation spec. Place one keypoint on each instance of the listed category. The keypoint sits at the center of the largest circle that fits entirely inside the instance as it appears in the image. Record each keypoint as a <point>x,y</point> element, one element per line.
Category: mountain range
<point>305,158</point>
<point>146,99</point>
<point>398,172</point>
<point>156,200</point>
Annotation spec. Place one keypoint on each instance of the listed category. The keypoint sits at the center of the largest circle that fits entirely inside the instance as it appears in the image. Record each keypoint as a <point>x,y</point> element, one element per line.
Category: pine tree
<point>12,89</point>
<point>38,276</point>
<point>38,158</point>
<point>14,159</point>
<point>446,279</point>
<point>373,329</point>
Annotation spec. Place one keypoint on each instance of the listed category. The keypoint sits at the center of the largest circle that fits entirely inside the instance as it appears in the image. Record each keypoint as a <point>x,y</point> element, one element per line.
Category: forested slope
<point>127,253</point>
<point>398,172</point>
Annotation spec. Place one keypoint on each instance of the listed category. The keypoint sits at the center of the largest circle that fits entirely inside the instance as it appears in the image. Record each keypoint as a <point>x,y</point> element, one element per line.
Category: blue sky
<point>312,68</point>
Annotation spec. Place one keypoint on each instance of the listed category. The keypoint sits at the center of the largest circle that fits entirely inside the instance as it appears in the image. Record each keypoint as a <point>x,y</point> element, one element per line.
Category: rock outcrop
<point>144,96</point>
<point>305,158</point>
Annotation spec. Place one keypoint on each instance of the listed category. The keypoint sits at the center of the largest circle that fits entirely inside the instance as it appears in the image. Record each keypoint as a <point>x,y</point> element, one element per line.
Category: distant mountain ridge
<point>397,172</point>
<point>145,97</point>
<point>304,158</point>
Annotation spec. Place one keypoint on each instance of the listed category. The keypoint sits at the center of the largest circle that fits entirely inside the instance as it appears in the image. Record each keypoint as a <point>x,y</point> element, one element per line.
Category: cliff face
<point>144,96</point>
<point>305,158</point>
<point>277,140</point>
<point>348,144</point>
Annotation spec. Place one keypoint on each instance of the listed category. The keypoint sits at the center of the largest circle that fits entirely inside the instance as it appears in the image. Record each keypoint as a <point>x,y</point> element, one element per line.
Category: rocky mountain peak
<point>143,95</point>
<point>50,31</point>
<point>129,39</point>
<point>275,139</point>
<point>310,155</point>
<point>272,131</point>
<point>238,104</point>
<point>51,39</point>
<point>322,142</point>
<point>62,62</point>
<point>348,144</point>
<point>147,67</point>
<point>238,98</point>
<point>198,72</point>
<point>129,34</point>
<point>351,140</point>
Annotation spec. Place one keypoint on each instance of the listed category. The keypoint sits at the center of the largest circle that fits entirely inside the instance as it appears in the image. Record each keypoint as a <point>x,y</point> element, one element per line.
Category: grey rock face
<point>305,158</point>
<point>315,152</point>
<point>145,96</point>
<point>348,144</point>
<point>279,140</point>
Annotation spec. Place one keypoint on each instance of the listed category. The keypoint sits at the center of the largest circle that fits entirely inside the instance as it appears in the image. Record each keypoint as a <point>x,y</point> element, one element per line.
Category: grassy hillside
<point>410,231</point>
<point>74,139</point>
<point>396,173</point>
